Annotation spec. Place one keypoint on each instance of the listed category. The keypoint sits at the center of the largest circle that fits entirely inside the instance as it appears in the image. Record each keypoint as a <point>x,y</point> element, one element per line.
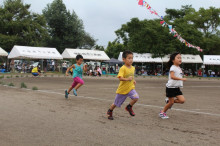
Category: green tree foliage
<point>200,28</point>
<point>65,28</point>
<point>18,26</point>
<point>114,48</point>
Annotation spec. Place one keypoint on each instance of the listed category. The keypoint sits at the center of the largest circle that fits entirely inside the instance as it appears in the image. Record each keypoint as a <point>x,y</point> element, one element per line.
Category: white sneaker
<point>163,115</point>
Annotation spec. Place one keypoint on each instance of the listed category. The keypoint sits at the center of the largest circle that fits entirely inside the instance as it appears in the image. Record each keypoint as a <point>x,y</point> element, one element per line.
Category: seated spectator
<point>36,71</point>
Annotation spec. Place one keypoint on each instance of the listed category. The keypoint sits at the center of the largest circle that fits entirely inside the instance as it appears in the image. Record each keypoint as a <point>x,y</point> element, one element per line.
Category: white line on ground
<point>145,105</point>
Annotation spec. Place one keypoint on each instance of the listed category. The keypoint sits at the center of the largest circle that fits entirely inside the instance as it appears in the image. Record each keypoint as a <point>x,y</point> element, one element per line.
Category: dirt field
<point>46,118</point>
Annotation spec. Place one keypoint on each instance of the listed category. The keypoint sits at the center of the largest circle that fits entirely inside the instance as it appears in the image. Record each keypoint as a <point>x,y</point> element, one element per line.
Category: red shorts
<point>77,80</point>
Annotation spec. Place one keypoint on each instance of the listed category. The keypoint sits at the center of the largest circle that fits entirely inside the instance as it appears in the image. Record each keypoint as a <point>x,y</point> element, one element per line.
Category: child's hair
<point>126,53</point>
<point>79,57</point>
<point>172,57</point>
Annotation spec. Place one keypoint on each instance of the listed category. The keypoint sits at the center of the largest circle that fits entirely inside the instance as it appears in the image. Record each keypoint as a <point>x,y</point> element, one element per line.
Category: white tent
<point>211,59</point>
<point>145,57</point>
<point>87,54</point>
<point>25,52</point>
<point>3,52</point>
<point>186,58</point>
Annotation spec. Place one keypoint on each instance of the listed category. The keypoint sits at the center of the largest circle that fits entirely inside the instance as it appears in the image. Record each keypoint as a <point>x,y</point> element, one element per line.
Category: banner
<point>165,24</point>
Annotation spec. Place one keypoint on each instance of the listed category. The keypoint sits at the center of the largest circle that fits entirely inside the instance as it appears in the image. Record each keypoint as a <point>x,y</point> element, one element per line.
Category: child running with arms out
<point>78,69</point>
<point>126,87</point>
<point>175,82</point>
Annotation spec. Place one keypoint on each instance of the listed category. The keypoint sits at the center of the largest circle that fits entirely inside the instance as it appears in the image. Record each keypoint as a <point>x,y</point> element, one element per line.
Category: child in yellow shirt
<point>126,87</point>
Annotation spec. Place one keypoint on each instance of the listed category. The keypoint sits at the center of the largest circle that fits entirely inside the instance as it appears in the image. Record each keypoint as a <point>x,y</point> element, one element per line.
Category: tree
<point>114,48</point>
<point>65,28</point>
<point>18,26</point>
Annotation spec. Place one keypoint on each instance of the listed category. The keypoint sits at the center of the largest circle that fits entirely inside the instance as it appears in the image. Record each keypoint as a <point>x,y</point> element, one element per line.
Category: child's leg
<point>180,99</point>
<point>168,105</point>
<point>133,101</point>
<point>79,82</point>
<point>71,88</point>
<point>78,86</point>
<point>112,107</point>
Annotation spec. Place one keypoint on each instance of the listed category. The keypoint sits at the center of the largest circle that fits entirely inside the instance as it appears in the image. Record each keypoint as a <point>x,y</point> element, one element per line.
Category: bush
<point>11,84</point>
<point>17,76</point>
<point>34,88</point>
<point>23,85</point>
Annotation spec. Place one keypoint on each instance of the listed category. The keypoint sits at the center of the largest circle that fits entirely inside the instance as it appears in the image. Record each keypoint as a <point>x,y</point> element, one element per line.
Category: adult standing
<point>64,67</point>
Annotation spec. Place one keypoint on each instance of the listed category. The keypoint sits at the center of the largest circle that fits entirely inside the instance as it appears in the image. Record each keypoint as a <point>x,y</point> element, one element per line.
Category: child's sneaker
<point>74,92</point>
<point>163,115</point>
<point>129,109</point>
<point>109,114</point>
<point>66,94</point>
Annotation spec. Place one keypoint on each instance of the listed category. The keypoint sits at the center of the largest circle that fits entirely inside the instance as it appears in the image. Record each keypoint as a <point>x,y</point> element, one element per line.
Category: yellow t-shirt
<point>126,86</point>
<point>34,70</point>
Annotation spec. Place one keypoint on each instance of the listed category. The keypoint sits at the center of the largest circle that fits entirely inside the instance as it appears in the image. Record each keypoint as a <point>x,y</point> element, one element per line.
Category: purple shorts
<point>120,98</point>
<point>77,80</point>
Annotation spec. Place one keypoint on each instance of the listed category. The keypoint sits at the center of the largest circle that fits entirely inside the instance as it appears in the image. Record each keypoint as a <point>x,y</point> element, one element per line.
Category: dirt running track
<point>45,118</point>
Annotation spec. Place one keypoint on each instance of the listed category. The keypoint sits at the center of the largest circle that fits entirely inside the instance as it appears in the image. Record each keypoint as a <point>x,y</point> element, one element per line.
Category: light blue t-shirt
<point>78,71</point>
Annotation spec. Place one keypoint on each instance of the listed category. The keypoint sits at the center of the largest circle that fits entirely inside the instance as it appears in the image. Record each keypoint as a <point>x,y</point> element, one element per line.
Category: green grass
<point>34,88</point>
<point>17,76</point>
<point>8,77</point>
<point>1,77</point>
<point>11,84</point>
<point>23,85</point>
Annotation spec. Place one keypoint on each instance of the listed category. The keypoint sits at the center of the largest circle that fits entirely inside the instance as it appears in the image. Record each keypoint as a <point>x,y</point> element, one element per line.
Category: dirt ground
<point>45,118</point>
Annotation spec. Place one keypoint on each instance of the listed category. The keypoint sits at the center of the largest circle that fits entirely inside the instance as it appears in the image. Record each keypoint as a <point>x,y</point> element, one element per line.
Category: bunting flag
<point>163,23</point>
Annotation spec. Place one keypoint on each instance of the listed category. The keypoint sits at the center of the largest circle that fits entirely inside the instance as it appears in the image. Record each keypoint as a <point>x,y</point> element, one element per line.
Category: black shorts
<point>173,92</point>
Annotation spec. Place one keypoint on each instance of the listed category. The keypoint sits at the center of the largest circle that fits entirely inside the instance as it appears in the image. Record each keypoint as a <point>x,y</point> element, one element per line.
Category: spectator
<point>64,67</point>
<point>99,71</point>
<point>36,71</point>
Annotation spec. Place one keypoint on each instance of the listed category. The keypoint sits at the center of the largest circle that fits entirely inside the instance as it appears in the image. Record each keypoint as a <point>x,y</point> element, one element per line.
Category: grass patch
<point>23,85</point>
<point>17,76</point>
<point>11,84</point>
<point>2,83</point>
<point>1,77</point>
<point>8,77</point>
<point>34,88</point>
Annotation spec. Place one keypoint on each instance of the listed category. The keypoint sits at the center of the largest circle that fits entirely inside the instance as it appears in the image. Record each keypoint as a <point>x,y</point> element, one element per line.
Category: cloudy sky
<point>102,17</point>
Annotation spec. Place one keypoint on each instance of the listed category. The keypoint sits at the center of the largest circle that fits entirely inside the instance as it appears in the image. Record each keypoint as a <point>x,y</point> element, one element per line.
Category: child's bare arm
<point>126,79</point>
<point>68,69</point>
<point>85,68</point>
<point>176,78</point>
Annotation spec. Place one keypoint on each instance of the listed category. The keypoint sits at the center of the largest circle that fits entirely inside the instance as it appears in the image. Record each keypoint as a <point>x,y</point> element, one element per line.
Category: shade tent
<point>114,61</point>
<point>26,52</point>
<point>211,59</point>
<point>141,58</point>
<point>3,52</point>
<point>186,58</point>
<point>87,54</point>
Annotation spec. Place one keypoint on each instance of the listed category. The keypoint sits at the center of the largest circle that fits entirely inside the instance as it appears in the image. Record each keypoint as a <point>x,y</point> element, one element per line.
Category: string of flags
<point>165,24</point>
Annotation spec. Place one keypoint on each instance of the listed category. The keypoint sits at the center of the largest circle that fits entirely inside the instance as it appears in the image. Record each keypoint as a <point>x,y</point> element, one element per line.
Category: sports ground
<point>44,117</point>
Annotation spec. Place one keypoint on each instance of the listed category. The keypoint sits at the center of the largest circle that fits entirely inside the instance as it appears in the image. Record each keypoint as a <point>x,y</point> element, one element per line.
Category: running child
<point>126,87</point>
<point>78,69</point>
<point>175,82</point>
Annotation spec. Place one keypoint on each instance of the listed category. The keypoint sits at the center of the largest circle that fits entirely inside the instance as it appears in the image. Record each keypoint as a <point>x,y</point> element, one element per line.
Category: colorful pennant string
<point>163,23</point>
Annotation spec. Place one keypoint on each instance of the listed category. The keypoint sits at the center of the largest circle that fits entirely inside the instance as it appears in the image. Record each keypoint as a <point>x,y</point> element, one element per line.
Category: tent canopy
<point>145,57</point>
<point>3,52</point>
<point>114,61</point>
<point>26,52</point>
<point>211,59</point>
<point>87,54</point>
<point>186,58</point>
